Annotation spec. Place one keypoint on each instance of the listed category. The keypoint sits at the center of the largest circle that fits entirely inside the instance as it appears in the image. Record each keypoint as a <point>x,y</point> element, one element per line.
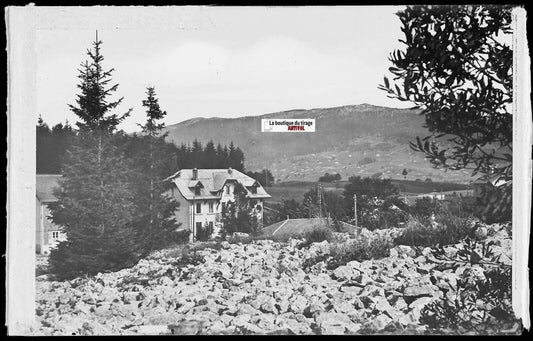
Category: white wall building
<point>202,193</point>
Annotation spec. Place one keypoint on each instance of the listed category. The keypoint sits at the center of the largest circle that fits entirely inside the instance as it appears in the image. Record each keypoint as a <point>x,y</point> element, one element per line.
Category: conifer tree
<point>155,222</point>
<point>197,154</point>
<point>43,147</point>
<point>210,155</point>
<point>95,209</point>
<point>95,201</point>
<point>93,107</point>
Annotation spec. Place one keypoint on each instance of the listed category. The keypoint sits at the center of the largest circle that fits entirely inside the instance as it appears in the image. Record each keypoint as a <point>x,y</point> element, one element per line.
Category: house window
<point>210,226</point>
<point>223,206</point>
<point>55,235</point>
<point>199,208</point>
<point>210,207</point>
<point>227,189</point>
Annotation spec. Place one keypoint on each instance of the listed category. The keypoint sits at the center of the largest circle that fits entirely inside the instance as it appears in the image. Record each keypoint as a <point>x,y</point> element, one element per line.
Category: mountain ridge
<point>362,139</point>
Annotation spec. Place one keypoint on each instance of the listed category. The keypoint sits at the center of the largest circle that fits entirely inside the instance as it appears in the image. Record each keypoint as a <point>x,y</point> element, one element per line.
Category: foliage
<point>238,215</point>
<point>376,202</point>
<point>204,233</point>
<point>317,235</point>
<point>446,229</point>
<point>332,204</point>
<point>287,209</point>
<point>424,207</point>
<point>154,214</point>
<point>481,300</point>
<point>360,248</point>
<point>457,68</point>
<point>370,187</point>
<point>95,209</point>
<point>264,177</point>
<point>96,202</point>
<point>330,177</point>
<point>494,204</point>
<point>196,156</point>
<point>93,106</point>
<point>51,146</point>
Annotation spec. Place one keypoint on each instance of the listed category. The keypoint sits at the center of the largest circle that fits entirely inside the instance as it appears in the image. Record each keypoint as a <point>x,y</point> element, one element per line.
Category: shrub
<point>329,177</point>
<point>447,229</point>
<point>481,301</point>
<point>182,236</point>
<point>362,248</point>
<point>204,233</point>
<point>317,235</point>
<point>359,249</point>
<point>425,207</point>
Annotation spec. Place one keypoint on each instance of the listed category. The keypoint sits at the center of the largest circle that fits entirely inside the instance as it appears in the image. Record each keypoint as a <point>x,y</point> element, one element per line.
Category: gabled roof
<point>44,186</point>
<point>213,181</point>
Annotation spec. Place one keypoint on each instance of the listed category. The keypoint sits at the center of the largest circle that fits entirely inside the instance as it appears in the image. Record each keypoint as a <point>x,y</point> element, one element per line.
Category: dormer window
<point>253,189</point>
<point>197,190</point>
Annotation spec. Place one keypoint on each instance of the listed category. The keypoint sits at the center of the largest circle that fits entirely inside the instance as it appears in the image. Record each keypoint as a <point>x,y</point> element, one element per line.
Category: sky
<point>234,62</point>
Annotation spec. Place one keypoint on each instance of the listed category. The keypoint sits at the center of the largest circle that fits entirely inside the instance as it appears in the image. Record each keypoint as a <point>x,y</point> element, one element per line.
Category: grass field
<point>296,189</point>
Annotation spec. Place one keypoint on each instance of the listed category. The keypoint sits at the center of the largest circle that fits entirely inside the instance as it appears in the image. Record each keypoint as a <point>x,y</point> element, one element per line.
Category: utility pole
<point>319,201</point>
<point>355,208</point>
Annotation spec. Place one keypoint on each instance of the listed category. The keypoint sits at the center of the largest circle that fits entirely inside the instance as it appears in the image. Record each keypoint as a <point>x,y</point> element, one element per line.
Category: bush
<point>359,249</point>
<point>481,301</point>
<point>329,177</point>
<point>204,233</point>
<point>447,229</point>
<point>317,235</point>
<point>425,207</point>
<point>181,236</point>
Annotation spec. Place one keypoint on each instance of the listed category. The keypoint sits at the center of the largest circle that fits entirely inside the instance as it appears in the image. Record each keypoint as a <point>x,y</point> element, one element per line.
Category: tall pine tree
<point>95,201</point>
<point>93,107</point>
<point>95,209</point>
<point>155,220</point>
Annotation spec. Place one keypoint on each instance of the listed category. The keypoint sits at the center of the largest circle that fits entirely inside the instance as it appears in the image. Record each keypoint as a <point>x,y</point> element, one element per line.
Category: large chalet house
<point>202,193</point>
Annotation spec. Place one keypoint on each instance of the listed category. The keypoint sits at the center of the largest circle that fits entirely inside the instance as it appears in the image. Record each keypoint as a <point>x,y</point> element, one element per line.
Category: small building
<point>203,193</point>
<point>47,234</point>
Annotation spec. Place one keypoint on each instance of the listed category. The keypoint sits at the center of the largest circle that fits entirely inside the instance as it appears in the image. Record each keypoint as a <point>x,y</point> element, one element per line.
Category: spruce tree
<point>210,155</point>
<point>43,154</point>
<point>93,107</point>
<point>95,201</point>
<point>95,209</point>
<point>155,222</point>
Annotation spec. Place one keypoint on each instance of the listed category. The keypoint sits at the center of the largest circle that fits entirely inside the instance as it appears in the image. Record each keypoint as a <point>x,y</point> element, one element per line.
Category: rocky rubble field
<point>260,288</point>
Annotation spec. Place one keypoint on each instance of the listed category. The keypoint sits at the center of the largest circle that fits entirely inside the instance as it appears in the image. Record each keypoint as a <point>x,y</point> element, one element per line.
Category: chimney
<point>230,171</point>
<point>195,174</point>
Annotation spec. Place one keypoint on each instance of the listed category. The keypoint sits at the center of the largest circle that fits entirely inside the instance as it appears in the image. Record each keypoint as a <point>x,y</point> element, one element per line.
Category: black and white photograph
<point>306,170</point>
